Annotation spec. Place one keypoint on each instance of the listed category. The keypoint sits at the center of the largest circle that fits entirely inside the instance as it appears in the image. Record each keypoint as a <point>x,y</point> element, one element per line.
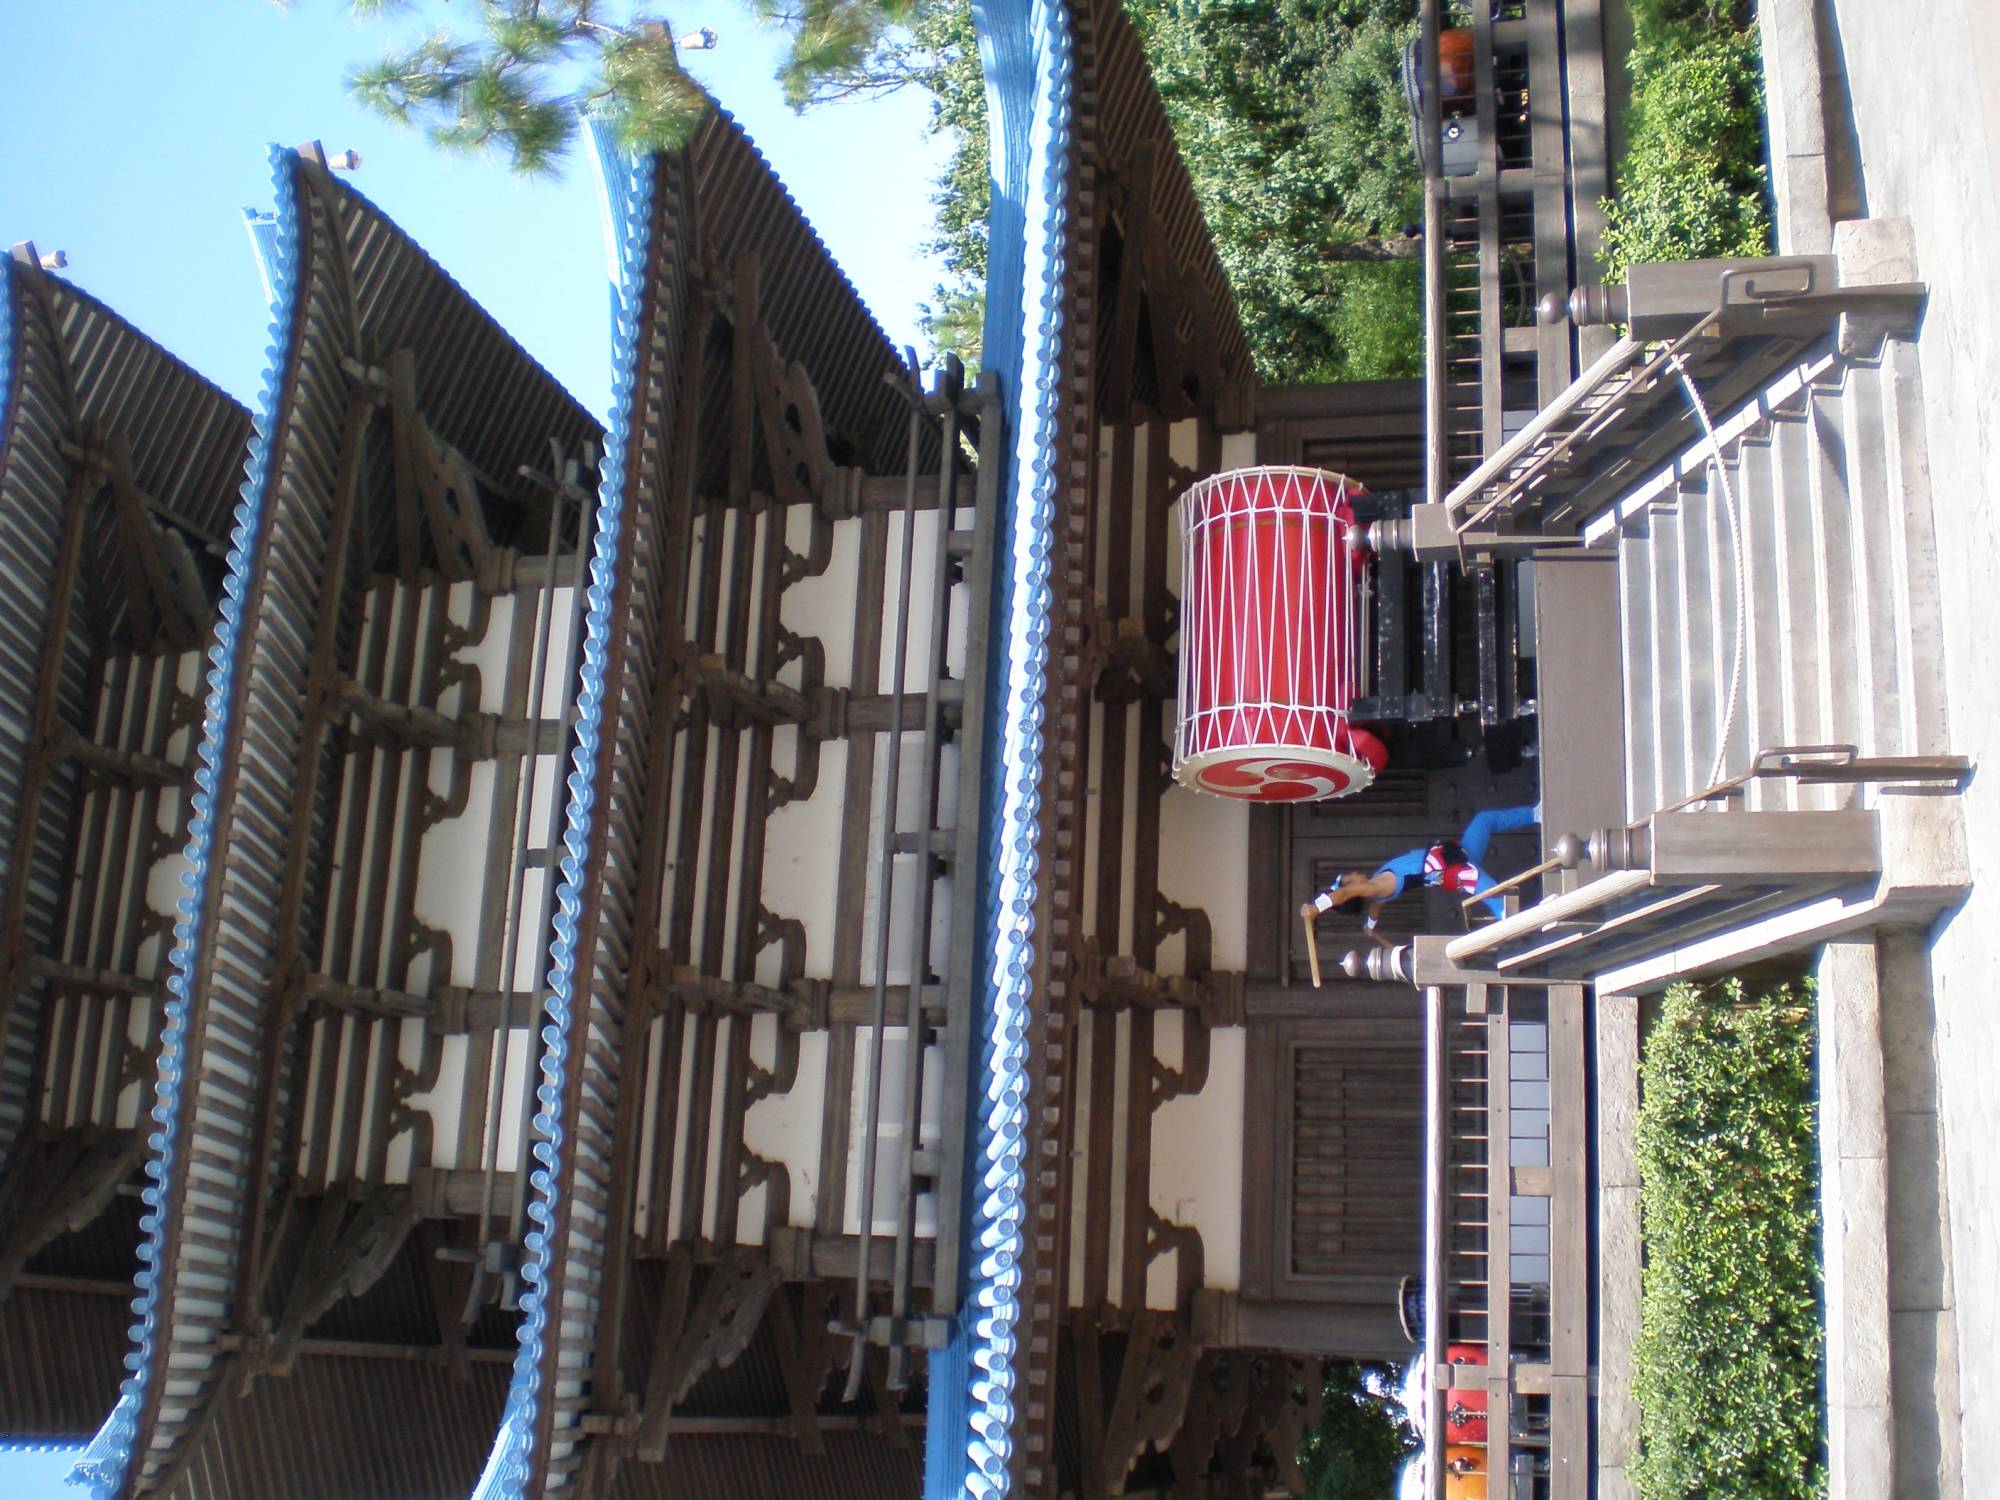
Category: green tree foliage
<point>956,324</point>
<point>1290,118</point>
<point>1292,125</point>
<point>1692,181</point>
<point>512,74</point>
<point>515,81</point>
<point>1731,1347</point>
<point>1362,1439</point>
<point>954,319</point>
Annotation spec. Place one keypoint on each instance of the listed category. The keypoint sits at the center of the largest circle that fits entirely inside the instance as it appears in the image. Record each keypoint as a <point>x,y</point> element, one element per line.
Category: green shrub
<point>1658,24</point>
<point>1730,1359</point>
<point>1692,181</point>
<point>1377,322</point>
<point>1362,1438</point>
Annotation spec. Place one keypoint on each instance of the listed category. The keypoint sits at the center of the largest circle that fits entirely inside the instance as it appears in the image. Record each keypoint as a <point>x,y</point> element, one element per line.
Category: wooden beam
<point>422,1354</point>
<point>799,1350</point>
<point>1153,1386</point>
<point>176,619</point>
<point>809,1255</point>
<point>450,1289</point>
<point>457,1192</point>
<point>1135,1209</point>
<point>1119,369</point>
<point>60,1202</point>
<point>765,1426</point>
<point>342,1265</point>
<point>409,726</point>
<point>732,1304</point>
<point>670,1321</point>
<point>1086,1343</point>
<point>888,1404</point>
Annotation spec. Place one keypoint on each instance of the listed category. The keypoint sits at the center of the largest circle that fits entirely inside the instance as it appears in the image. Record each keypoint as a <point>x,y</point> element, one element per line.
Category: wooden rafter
<point>345,1255</point>
<point>1135,226</point>
<point>1153,1387</point>
<point>320,699</point>
<point>715,1332</point>
<point>61,1187</point>
<point>45,748</point>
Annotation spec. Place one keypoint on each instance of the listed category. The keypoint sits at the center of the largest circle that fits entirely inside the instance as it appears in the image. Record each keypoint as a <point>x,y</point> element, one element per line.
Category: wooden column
<point>1569,1248</point>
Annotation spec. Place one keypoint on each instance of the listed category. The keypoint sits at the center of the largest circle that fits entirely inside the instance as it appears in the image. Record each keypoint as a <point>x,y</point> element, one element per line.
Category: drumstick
<point>1312,947</point>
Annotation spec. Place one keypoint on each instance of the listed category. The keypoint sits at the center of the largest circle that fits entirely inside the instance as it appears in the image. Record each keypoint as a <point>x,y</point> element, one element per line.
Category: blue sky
<point>37,1475</point>
<point>132,136</point>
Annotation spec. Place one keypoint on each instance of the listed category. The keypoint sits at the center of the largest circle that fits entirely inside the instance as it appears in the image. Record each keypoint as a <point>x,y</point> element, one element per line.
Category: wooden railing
<point>1507,1268</point>
<point>1683,874</point>
<point>1726,326</point>
<point>1507,1017</point>
<point>940,843</point>
<point>1498,231</point>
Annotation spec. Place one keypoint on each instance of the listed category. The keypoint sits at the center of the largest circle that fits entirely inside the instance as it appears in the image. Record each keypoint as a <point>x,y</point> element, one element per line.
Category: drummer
<point>1452,864</point>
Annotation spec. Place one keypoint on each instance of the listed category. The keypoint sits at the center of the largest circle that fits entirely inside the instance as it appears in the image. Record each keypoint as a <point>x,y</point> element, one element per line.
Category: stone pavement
<point>1924,80</point>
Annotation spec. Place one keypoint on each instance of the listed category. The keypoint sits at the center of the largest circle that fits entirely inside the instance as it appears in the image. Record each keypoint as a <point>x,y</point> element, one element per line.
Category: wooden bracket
<point>344,1257</point>
<point>56,1188</point>
<point>732,1304</point>
<point>1153,1387</point>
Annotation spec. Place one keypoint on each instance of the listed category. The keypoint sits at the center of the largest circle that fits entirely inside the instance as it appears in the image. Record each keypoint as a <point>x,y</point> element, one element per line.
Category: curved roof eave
<point>486,383</point>
<point>629,200</point>
<point>104,1465</point>
<point>1025,47</point>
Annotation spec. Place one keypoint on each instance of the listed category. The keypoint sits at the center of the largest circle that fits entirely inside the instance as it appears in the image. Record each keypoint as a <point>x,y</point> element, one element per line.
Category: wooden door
<point>1333,1167</point>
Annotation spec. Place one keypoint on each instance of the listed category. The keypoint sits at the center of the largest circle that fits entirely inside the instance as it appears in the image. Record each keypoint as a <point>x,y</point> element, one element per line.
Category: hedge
<point>1730,1374</point>
<point>1693,181</point>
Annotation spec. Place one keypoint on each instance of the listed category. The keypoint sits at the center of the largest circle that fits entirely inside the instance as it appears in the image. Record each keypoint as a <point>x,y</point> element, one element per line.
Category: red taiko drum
<point>1273,635</point>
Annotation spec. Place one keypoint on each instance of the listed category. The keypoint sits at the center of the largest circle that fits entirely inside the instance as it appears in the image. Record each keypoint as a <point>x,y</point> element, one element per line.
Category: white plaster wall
<point>800,875</point>
<point>1198,1161</point>
<point>1205,862</point>
<point>824,606</point>
<point>787,1127</point>
<point>888,1155</point>
<point>1197,1157</point>
<point>803,842</point>
<point>453,867</point>
<point>164,891</point>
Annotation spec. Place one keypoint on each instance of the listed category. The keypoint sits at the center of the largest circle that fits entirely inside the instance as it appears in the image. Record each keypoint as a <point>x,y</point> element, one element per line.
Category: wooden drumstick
<point>1312,946</point>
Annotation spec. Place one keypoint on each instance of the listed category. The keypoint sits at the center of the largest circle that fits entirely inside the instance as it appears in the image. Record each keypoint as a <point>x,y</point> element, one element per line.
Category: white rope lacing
<point>1718,769</point>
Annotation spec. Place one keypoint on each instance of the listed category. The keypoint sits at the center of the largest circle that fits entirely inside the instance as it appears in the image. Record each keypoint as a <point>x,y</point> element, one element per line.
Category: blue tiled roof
<point>104,1462</point>
<point>6,345</point>
<point>628,184</point>
<point>1024,46</point>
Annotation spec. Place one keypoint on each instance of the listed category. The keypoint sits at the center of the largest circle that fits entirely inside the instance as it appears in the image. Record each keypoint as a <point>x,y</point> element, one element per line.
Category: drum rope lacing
<point>1306,664</point>
<point>1715,771</point>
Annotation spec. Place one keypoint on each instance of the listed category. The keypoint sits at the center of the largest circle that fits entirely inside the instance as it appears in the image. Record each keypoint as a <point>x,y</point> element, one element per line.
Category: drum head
<point>1274,773</point>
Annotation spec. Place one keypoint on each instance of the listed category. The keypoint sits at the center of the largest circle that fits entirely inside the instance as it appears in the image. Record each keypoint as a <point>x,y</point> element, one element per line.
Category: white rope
<point>1717,771</point>
<point>1266,656</point>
